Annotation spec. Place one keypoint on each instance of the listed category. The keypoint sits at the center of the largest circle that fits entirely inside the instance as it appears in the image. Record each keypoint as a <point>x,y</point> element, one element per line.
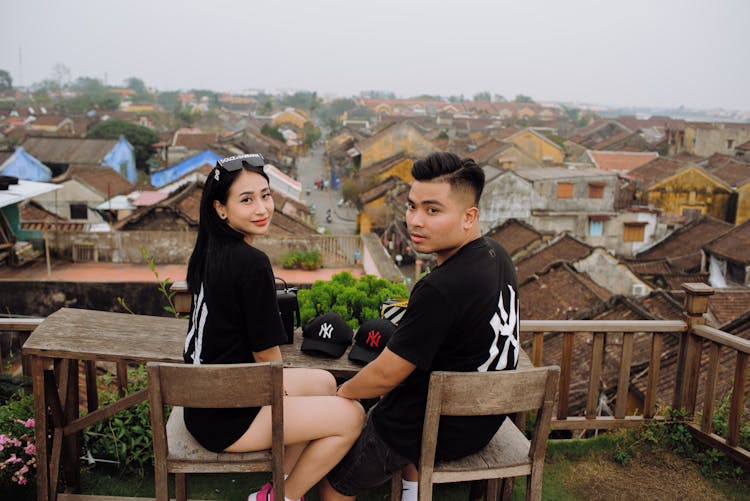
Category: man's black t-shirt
<point>234,314</point>
<point>463,316</point>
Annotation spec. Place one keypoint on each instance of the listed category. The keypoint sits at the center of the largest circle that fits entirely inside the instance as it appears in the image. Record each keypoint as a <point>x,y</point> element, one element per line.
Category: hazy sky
<point>628,53</point>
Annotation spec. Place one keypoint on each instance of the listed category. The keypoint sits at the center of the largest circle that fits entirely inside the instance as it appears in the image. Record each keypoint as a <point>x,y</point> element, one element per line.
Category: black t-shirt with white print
<point>463,316</point>
<point>234,314</point>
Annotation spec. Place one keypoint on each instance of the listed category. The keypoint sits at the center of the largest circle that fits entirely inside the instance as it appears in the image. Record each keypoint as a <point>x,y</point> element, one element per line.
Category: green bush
<point>126,437</point>
<point>309,260</point>
<point>354,299</point>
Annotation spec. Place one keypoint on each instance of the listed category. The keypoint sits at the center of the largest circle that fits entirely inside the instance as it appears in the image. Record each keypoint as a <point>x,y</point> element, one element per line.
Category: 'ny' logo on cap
<point>373,339</point>
<point>325,331</point>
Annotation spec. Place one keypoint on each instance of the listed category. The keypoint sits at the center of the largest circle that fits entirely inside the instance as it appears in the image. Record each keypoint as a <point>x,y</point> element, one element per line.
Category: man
<point>463,316</point>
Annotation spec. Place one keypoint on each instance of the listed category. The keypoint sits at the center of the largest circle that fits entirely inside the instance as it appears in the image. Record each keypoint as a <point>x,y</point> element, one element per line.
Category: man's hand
<point>378,377</point>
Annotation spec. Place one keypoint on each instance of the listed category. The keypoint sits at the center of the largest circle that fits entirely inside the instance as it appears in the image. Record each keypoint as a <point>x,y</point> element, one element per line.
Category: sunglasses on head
<point>231,164</point>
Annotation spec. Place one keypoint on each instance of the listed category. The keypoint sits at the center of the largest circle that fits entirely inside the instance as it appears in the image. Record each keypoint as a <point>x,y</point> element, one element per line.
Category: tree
<point>6,82</point>
<point>169,100</point>
<point>88,85</point>
<point>135,84</point>
<point>499,98</point>
<point>142,138</point>
<point>271,131</point>
<point>523,99</point>
<point>483,96</point>
<point>61,75</point>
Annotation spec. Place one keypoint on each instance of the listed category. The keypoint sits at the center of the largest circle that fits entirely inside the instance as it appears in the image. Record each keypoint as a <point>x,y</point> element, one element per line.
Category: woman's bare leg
<point>329,425</point>
<point>309,382</point>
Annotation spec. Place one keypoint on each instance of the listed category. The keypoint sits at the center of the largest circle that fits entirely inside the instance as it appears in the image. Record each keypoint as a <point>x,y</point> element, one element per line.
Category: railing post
<point>688,361</point>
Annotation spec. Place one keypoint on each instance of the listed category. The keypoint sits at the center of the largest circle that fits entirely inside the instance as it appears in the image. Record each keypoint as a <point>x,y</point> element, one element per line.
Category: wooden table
<point>72,335</point>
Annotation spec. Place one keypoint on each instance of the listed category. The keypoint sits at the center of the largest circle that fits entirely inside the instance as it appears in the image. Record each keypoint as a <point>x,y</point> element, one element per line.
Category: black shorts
<point>369,463</point>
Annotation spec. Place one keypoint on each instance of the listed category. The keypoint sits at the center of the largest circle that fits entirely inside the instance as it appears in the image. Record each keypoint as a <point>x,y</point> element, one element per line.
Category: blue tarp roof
<point>159,179</point>
<point>23,166</point>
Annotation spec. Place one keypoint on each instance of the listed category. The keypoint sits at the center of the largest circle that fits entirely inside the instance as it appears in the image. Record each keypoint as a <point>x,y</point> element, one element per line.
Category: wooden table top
<point>122,337</point>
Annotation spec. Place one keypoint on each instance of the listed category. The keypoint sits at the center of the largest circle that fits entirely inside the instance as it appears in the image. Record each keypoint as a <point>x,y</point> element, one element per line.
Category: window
<point>596,190</point>
<point>124,169</point>
<point>692,213</point>
<point>79,211</point>
<point>564,190</point>
<point>730,143</point>
<point>633,232</point>
<point>736,272</point>
<point>596,228</point>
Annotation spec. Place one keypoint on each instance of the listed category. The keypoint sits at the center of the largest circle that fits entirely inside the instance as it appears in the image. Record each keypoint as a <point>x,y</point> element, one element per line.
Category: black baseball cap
<point>371,338</point>
<point>327,335</point>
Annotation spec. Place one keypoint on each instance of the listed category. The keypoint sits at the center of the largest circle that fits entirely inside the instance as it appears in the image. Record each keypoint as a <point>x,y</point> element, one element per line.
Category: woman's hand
<point>270,355</point>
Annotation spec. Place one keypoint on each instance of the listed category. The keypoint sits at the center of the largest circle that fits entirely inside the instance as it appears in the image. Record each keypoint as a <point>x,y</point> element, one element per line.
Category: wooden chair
<point>217,386</point>
<point>509,453</point>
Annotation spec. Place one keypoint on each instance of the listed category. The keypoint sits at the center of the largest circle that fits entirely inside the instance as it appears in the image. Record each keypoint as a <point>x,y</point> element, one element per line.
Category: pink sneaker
<point>265,494</point>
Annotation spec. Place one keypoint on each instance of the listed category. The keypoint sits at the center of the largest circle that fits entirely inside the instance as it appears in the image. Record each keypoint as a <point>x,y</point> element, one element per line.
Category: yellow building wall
<point>402,170</point>
<point>286,117</point>
<point>537,147</point>
<point>690,189</point>
<point>372,214</point>
<point>743,204</point>
<point>689,141</point>
<point>394,141</point>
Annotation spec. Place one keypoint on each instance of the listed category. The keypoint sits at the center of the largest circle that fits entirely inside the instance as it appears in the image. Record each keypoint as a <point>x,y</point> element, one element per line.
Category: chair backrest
<point>215,386</point>
<point>488,393</point>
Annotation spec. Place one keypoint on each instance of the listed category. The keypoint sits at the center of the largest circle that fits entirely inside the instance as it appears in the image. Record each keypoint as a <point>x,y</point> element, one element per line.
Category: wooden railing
<point>693,336</point>
<point>11,325</point>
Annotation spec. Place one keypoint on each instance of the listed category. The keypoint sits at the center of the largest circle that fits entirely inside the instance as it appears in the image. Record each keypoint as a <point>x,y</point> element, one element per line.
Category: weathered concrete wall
<point>175,247</point>
<point>606,271</point>
<point>44,298</point>
<point>507,196</point>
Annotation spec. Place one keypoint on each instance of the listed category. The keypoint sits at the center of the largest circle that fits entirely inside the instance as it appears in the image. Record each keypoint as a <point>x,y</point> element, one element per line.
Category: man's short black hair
<point>461,173</point>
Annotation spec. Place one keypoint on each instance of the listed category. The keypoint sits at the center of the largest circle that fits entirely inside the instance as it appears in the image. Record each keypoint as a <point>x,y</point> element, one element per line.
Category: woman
<point>234,318</point>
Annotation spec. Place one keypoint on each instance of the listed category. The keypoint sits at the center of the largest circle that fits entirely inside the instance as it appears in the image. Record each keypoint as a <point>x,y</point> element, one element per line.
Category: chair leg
<point>180,489</point>
<point>534,485</point>
<point>493,489</point>
<point>396,487</point>
<point>506,493</point>
<point>161,483</point>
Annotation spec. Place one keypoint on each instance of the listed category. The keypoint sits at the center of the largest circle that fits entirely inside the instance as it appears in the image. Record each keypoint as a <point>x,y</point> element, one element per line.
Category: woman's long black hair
<point>214,234</point>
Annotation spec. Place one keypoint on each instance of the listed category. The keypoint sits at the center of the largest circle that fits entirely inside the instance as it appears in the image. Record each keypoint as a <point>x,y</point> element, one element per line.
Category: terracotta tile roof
<point>687,157</point>
<point>104,179</point>
<point>560,293</point>
<point>48,120</point>
<point>36,217</point>
<point>382,166</point>
<point>656,169</point>
<point>69,150</point>
<point>190,204</point>
<point>682,247</point>
<point>655,267</point>
<point>674,281</point>
<point>484,151</point>
<point>621,160</point>
<point>743,146</point>
<point>733,173</point>
<point>514,235</point>
<point>565,248</point>
<point>733,245</point>
<point>194,141</point>
<point>379,190</point>
<point>727,305</point>
<point>663,306</point>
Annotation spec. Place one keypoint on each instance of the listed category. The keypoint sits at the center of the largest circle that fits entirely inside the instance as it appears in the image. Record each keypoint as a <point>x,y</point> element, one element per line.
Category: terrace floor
<point>64,271</point>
